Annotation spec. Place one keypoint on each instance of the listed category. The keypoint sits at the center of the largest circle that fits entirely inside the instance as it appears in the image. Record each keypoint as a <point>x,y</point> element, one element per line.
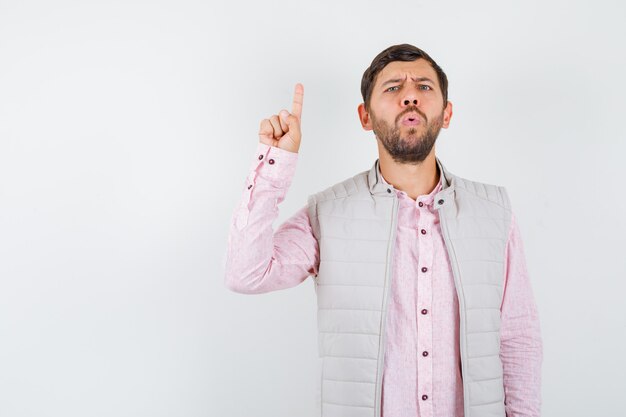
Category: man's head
<point>405,102</point>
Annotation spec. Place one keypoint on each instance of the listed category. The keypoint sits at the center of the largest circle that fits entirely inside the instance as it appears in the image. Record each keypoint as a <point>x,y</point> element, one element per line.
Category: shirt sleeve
<point>259,260</point>
<point>520,337</point>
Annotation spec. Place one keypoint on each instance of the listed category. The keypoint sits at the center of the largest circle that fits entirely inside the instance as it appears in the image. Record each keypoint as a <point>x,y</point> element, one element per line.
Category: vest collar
<point>378,187</point>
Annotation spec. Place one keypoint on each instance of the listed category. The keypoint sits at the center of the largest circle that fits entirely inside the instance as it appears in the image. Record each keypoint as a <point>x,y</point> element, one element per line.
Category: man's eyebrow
<point>397,80</point>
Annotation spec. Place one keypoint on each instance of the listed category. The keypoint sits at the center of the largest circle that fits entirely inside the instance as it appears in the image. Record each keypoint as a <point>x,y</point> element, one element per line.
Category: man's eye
<point>427,86</point>
<point>395,86</point>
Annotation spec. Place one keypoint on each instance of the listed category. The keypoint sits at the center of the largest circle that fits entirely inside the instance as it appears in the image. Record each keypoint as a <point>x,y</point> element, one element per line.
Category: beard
<point>412,148</point>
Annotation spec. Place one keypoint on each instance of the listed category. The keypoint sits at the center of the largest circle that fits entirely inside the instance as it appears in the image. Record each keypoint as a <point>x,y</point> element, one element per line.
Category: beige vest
<point>355,224</point>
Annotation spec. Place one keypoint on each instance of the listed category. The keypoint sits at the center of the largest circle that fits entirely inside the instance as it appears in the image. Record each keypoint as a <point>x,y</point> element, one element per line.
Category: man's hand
<point>284,131</point>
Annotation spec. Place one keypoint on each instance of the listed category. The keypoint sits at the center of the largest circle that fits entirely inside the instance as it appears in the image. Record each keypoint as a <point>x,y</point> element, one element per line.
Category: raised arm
<point>259,260</point>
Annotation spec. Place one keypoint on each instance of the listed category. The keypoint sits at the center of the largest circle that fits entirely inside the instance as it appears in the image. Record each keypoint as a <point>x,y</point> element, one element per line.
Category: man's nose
<point>410,96</point>
<point>408,101</point>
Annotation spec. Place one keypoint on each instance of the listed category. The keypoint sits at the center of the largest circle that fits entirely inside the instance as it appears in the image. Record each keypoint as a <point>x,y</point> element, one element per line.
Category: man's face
<point>406,110</point>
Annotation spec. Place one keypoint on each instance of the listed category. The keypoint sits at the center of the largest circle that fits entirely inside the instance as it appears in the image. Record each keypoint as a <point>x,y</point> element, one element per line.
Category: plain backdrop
<point>126,133</point>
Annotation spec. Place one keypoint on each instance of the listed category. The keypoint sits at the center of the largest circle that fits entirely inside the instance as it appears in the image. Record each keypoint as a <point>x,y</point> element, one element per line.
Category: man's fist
<point>283,130</point>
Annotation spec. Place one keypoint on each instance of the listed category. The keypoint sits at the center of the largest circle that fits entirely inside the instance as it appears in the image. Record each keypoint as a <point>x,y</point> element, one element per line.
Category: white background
<point>126,132</point>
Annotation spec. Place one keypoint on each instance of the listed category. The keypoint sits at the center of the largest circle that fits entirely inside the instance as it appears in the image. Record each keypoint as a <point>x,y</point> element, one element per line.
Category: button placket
<point>250,181</point>
<point>242,216</point>
<point>424,319</point>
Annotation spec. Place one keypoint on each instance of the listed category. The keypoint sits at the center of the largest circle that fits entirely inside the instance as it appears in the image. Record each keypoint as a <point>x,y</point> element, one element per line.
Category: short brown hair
<point>402,52</point>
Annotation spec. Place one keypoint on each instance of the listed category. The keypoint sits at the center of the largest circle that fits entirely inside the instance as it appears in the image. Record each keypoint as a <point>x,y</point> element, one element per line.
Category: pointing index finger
<point>298,96</point>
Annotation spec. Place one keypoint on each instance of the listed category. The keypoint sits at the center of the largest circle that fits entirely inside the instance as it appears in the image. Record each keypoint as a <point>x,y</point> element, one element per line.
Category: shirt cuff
<point>274,163</point>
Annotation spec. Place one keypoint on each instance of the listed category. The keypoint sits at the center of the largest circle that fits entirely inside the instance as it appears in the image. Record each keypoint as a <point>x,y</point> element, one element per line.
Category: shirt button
<point>271,161</point>
<point>249,186</point>
<point>260,157</point>
<point>420,204</point>
<point>424,311</point>
<point>423,231</point>
<point>424,397</point>
<point>440,202</point>
<point>424,353</point>
<point>389,190</point>
<point>424,269</point>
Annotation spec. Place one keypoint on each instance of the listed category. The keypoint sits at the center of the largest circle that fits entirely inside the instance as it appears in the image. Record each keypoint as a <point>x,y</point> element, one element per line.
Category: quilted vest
<point>355,224</point>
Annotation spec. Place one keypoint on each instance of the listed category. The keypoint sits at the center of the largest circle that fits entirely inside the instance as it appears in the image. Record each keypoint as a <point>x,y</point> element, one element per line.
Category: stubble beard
<point>412,149</point>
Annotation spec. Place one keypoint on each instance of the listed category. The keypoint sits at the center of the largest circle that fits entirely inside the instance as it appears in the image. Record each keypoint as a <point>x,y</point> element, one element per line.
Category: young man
<point>424,302</point>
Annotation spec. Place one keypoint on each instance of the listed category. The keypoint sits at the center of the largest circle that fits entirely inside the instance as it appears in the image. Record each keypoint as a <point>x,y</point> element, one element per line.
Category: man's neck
<point>415,180</point>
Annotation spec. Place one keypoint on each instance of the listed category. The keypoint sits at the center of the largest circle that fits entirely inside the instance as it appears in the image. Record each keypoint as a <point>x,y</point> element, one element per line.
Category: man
<point>424,302</point>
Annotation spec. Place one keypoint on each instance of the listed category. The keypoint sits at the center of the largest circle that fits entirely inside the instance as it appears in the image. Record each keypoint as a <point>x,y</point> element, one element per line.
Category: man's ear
<point>447,115</point>
<point>364,117</point>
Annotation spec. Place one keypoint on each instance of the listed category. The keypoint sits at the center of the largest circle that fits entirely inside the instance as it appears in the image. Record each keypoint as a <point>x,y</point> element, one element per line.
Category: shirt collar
<point>378,188</point>
<point>424,198</point>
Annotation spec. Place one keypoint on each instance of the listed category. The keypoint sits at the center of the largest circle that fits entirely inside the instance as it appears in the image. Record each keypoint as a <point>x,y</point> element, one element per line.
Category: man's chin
<point>412,135</point>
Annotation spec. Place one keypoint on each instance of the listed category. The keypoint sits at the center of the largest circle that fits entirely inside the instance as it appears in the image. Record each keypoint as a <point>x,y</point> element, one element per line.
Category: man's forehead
<point>401,69</point>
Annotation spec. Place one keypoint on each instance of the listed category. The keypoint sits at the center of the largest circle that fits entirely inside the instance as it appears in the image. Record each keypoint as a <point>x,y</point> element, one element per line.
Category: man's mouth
<point>411,119</point>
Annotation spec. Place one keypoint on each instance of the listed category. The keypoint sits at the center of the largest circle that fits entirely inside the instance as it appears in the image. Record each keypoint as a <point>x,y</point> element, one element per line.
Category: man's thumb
<point>284,115</point>
<point>292,123</point>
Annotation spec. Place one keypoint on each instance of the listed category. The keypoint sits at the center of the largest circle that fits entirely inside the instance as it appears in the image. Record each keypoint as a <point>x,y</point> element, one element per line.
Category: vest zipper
<point>383,336</point>
<point>455,272</point>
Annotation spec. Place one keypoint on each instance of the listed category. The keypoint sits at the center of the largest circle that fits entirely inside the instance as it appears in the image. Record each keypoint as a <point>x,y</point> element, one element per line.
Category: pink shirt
<point>422,361</point>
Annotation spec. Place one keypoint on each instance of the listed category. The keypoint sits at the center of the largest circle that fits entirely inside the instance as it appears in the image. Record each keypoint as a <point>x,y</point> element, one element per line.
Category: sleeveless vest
<point>355,224</point>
